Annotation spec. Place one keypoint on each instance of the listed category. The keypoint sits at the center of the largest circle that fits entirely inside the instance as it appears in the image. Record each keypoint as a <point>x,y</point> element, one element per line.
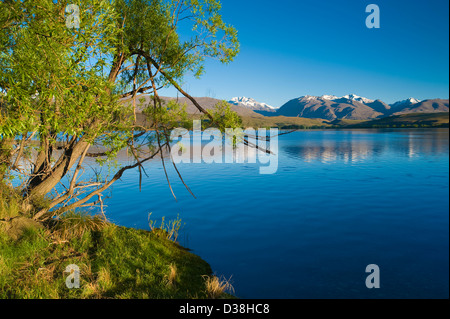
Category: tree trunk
<point>61,168</point>
<point>6,145</point>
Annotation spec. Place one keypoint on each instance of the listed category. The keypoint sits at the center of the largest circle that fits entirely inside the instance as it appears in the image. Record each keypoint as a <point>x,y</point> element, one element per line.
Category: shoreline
<point>113,262</point>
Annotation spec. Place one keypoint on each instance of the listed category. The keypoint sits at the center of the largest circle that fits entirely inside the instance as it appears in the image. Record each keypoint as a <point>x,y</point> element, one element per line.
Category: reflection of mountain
<point>353,149</point>
<point>351,152</point>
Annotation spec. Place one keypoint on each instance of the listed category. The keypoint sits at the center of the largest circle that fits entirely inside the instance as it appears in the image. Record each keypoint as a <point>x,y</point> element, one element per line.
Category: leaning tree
<point>67,68</point>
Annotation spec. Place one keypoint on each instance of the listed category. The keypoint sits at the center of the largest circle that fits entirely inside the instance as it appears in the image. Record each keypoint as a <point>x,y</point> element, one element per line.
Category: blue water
<point>341,200</point>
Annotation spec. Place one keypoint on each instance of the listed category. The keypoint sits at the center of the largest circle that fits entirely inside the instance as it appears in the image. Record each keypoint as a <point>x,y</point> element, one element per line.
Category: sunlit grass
<point>114,262</point>
<point>217,288</point>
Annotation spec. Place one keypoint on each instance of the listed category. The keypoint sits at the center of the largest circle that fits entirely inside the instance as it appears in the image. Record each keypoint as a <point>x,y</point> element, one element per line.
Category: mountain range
<point>350,107</point>
<point>252,104</point>
<point>326,107</point>
<point>207,103</point>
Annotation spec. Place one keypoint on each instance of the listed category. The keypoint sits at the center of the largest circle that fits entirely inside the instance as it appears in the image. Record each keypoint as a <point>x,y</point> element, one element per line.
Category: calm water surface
<point>341,200</point>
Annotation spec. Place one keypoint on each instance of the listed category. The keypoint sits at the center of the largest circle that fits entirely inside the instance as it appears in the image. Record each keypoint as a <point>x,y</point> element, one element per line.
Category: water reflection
<point>358,146</point>
<point>318,224</point>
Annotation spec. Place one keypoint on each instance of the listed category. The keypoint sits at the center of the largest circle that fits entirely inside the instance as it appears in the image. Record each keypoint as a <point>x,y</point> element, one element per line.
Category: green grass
<point>9,202</point>
<point>414,120</point>
<point>115,262</point>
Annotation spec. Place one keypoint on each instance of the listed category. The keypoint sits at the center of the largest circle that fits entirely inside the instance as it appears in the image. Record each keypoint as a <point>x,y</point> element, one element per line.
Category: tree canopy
<point>66,88</point>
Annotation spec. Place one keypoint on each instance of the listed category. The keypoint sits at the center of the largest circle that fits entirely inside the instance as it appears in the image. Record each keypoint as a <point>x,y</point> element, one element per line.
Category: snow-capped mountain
<point>407,102</point>
<point>316,98</point>
<point>357,98</point>
<point>330,97</point>
<point>428,106</point>
<point>354,107</point>
<point>332,107</point>
<point>252,104</point>
<point>352,97</point>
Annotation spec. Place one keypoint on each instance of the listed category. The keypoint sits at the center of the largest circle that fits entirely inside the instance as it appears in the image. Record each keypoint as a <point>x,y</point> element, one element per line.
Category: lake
<point>340,200</point>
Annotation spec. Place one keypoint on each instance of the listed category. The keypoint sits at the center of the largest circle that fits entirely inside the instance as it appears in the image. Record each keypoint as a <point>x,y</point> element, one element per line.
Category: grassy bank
<point>114,262</point>
<point>415,120</point>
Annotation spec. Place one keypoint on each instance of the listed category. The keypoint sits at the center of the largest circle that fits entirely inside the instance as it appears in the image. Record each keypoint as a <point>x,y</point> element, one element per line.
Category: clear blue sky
<point>291,48</point>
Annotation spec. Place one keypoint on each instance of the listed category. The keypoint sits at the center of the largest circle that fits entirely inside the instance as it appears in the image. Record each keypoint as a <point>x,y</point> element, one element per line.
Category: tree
<point>63,89</point>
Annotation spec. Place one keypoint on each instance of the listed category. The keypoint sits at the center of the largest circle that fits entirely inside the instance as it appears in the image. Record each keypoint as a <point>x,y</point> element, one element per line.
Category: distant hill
<point>353,107</point>
<point>397,121</point>
<point>380,107</point>
<point>428,106</point>
<point>206,102</point>
<point>252,104</point>
<point>404,104</point>
<point>326,111</point>
<point>324,108</point>
<point>403,120</point>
